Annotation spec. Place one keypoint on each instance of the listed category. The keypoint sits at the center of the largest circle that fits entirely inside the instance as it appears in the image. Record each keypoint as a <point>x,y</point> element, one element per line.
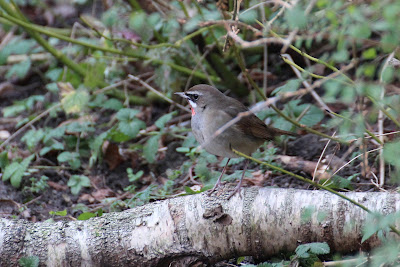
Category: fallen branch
<point>263,222</point>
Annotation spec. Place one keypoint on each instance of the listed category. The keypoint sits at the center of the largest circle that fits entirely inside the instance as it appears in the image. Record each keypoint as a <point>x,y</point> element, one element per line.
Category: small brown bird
<point>211,110</point>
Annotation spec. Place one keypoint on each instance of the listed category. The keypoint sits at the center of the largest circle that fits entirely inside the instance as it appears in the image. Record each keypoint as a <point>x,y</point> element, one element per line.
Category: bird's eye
<point>194,97</point>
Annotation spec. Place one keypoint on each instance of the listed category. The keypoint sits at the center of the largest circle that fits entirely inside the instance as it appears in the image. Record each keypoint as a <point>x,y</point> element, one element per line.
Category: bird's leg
<point>237,188</point>
<point>218,183</point>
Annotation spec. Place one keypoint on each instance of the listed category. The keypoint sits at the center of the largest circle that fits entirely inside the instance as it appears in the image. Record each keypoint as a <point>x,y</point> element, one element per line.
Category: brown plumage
<point>211,110</point>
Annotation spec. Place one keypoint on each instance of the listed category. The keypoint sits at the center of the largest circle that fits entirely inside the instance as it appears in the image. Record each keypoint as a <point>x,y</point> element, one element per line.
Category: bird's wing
<point>252,125</point>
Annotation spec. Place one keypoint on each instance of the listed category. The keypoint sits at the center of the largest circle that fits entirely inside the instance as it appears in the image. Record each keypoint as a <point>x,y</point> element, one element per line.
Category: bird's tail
<point>283,132</point>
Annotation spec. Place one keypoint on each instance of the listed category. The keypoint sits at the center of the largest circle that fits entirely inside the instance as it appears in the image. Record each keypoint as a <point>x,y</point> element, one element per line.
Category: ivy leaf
<point>150,148</point>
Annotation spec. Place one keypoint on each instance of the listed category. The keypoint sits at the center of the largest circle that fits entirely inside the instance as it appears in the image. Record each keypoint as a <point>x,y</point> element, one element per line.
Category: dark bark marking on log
<point>249,196</point>
<point>176,208</point>
<point>218,215</point>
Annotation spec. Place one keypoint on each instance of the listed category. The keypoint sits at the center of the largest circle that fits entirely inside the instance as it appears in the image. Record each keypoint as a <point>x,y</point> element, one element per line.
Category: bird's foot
<point>235,190</point>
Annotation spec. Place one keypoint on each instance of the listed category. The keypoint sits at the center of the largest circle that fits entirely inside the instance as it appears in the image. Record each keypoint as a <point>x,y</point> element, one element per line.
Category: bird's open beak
<point>182,94</point>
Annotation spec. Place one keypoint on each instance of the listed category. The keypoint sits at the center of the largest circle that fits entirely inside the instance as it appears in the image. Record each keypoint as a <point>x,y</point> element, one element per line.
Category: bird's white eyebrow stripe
<point>194,93</point>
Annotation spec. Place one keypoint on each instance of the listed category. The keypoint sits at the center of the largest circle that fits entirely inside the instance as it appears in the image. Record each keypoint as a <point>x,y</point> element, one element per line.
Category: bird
<point>211,110</point>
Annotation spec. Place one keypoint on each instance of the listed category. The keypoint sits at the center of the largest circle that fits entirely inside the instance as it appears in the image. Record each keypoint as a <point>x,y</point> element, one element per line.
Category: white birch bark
<point>198,229</point>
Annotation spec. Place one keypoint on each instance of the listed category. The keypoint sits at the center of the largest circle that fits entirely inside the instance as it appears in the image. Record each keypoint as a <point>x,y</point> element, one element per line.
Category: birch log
<point>198,229</point>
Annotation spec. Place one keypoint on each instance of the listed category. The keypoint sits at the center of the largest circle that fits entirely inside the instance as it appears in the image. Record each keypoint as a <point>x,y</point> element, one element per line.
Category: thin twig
<point>28,125</point>
<point>320,158</point>
<point>307,85</point>
<point>146,85</point>
<point>380,125</point>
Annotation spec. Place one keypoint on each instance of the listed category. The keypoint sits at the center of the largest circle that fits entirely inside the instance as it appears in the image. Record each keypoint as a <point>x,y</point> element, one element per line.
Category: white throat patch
<point>192,103</point>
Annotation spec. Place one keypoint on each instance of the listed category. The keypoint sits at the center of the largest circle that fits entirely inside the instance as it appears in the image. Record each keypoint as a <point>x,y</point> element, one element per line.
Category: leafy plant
<point>76,182</point>
<point>16,170</point>
<point>38,185</point>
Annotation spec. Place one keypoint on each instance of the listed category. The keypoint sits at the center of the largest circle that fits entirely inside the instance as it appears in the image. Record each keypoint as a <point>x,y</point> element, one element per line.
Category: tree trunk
<point>198,229</point>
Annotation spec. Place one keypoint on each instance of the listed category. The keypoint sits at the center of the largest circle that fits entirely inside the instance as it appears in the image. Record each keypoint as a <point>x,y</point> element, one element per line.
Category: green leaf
<point>150,148</point>
<point>95,148</point>
<point>73,159</point>
<point>134,177</point>
<point>291,86</point>
<point>20,69</point>
<point>296,18</point>
<point>138,22</point>
<point>86,216</point>
<point>113,104</point>
<point>371,227</point>
<point>117,136</point>
<point>54,74</point>
<point>391,153</point>
<point>387,74</point>
<point>75,101</point>
<point>13,110</point>
<point>16,46</point>
<point>54,133</point>
<point>15,171</point>
<point>131,128</point>
<point>54,146</point>
<point>160,123</point>
<point>360,30</point>
<point>52,87</point>
<point>369,53</point>
<point>248,17</point>
<point>32,138</point>
<point>76,182</point>
<point>79,127</point>
<point>129,124</point>
<point>316,248</point>
<point>59,213</point>
<point>313,116</point>
<point>3,159</point>
<point>126,114</point>
<point>182,149</point>
<point>30,261</point>
<point>202,169</point>
<point>94,74</point>
<point>319,248</point>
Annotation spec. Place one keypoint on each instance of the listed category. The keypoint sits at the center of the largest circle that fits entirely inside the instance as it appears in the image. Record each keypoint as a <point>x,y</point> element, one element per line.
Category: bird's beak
<point>182,94</point>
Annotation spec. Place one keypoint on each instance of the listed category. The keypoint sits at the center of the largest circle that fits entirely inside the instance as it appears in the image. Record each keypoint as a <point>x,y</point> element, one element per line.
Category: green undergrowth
<point>74,112</point>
